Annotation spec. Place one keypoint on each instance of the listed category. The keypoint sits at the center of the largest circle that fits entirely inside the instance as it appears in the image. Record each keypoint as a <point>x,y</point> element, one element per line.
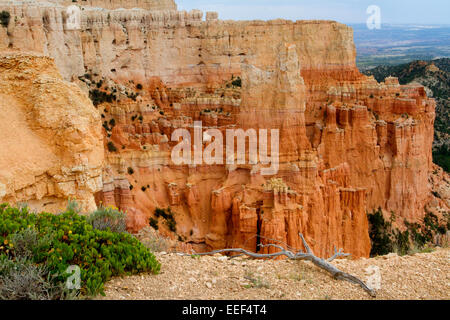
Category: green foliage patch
<point>111,147</point>
<point>167,215</point>
<point>386,239</point>
<point>98,97</point>
<point>441,157</point>
<point>55,242</point>
<point>153,223</point>
<point>237,82</point>
<point>4,18</point>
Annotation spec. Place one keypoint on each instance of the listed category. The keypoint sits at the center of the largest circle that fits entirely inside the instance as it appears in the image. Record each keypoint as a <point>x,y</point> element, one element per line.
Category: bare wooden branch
<point>300,255</point>
<point>308,249</point>
<point>338,254</point>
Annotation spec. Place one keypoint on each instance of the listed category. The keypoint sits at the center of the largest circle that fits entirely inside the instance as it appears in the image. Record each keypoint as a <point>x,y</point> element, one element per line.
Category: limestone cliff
<point>348,144</point>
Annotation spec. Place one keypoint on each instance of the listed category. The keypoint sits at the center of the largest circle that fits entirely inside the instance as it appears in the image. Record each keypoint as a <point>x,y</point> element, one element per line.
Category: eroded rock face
<point>125,4</point>
<point>52,146</point>
<point>348,144</point>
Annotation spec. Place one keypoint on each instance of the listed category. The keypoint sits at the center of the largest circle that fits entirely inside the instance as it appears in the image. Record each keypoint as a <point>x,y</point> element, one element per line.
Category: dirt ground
<point>419,276</point>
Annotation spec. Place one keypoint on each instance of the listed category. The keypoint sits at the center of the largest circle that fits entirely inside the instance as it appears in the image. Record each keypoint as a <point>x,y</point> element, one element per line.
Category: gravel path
<point>420,276</point>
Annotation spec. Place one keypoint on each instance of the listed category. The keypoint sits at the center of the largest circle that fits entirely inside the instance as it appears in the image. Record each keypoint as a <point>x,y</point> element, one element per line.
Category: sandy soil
<point>420,276</point>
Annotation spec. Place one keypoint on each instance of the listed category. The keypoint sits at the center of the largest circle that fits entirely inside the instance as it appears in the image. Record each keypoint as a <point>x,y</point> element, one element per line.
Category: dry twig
<point>300,255</point>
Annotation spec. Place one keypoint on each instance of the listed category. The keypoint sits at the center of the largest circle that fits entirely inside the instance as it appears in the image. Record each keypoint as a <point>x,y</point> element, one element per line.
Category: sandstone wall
<point>176,46</point>
<point>51,146</point>
<point>117,4</point>
<point>348,144</point>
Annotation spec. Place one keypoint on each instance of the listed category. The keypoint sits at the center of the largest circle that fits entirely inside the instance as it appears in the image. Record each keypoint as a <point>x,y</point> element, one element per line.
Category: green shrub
<point>108,218</point>
<point>167,215</point>
<point>130,171</point>
<point>112,122</point>
<point>105,125</point>
<point>97,97</point>
<point>72,240</point>
<point>132,95</point>
<point>171,224</point>
<point>160,212</point>
<point>4,18</point>
<point>386,239</point>
<point>380,234</point>
<point>441,157</point>
<point>111,147</point>
<point>153,223</point>
<point>27,243</point>
<point>237,82</point>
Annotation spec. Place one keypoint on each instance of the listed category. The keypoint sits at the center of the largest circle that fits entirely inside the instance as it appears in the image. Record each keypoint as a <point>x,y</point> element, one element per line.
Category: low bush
<point>20,279</point>
<point>171,224</point>
<point>167,215</point>
<point>160,213</point>
<point>156,243</point>
<point>237,82</point>
<point>73,205</point>
<point>380,234</point>
<point>153,223</point>
<point>441,157</point>
<point>386,239</point>
<point>108,218</point>
<point>4,18</point>
<point>62,240</point>
<point>27,243</point>
<point>111,147</point>
<point>98,97</point>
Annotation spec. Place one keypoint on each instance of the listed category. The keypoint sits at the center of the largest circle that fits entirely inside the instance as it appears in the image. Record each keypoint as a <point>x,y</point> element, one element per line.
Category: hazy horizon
<point>433,12</point>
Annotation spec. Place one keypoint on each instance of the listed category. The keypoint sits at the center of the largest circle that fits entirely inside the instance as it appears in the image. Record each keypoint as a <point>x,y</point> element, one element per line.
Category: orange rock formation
<point>348,144</point>
<point>52,146</point>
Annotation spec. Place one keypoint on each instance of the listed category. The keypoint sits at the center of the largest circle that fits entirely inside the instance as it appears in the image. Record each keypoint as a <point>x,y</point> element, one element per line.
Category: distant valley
<point>398,44</point>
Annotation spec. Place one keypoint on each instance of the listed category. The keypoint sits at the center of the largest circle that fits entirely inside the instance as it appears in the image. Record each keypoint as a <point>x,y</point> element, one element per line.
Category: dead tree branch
<point>300,255</point>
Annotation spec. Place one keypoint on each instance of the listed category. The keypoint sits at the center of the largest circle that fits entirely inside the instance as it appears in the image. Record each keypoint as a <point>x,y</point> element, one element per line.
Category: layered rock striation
<point>52,145</point>
<point>348,144</point>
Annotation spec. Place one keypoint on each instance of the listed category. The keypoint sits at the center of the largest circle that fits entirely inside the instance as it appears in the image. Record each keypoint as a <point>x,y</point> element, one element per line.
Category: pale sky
<point>346,11</point>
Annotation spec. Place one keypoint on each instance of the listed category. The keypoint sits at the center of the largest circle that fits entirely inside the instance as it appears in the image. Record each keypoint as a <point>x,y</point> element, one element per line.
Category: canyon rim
<point>88,114</point>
